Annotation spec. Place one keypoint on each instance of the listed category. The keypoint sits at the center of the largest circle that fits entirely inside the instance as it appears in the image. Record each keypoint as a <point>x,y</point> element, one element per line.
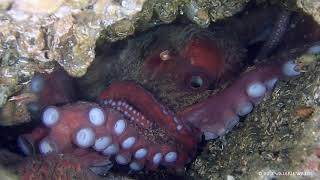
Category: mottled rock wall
<point>311,7</point>
<point>36,35</point>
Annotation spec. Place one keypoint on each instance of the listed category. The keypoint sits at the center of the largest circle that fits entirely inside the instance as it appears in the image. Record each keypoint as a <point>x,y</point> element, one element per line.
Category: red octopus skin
<point>147,120</point>
<point>143,114</point>
<point>73,117</point>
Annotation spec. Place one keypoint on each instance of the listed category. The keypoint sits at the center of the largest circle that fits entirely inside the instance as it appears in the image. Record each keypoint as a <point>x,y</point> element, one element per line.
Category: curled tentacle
<point>278,31</point>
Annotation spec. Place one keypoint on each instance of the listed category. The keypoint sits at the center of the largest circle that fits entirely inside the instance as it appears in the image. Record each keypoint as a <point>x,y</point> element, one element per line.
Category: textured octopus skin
<point>210,56</point>
<point>238,99</point>
<point>153,125</point>
<point>72,130</point>
<point>51,89</point>
<point>277,33</point>
<point>55,167</point>
<point>120,128</point>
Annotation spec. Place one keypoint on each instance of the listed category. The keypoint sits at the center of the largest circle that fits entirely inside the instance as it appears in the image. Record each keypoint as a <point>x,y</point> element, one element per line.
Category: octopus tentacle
<point>28,143</point>
<point>239,98</point>
<point>278,31</point>
<point>130,127</point>
<point>141,99</point>
<point>92,131</point>
<point>120,129</point>
<point>51,89</point>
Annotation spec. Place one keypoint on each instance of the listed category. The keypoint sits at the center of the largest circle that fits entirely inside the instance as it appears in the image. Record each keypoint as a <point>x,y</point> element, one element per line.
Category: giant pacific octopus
<point>131,123</point>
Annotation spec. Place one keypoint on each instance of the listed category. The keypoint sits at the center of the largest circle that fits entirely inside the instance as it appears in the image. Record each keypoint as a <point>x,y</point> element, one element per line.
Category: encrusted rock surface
<point>35,35</point>
<point>311,7</point>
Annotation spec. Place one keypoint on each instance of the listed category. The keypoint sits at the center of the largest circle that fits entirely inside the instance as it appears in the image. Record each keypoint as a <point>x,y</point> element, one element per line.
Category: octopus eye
<point>196,82</point>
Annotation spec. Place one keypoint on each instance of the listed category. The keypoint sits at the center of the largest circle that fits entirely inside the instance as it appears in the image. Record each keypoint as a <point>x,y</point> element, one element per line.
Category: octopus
<point>132,124</point>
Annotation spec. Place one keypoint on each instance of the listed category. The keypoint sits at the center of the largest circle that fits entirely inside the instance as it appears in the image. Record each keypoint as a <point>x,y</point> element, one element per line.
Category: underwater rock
<point>14,113</point>
<point>311,7</point>
<point>7,175</point>
<point>34,34</point>
<point>41,32</point>
<point>202,12</point>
